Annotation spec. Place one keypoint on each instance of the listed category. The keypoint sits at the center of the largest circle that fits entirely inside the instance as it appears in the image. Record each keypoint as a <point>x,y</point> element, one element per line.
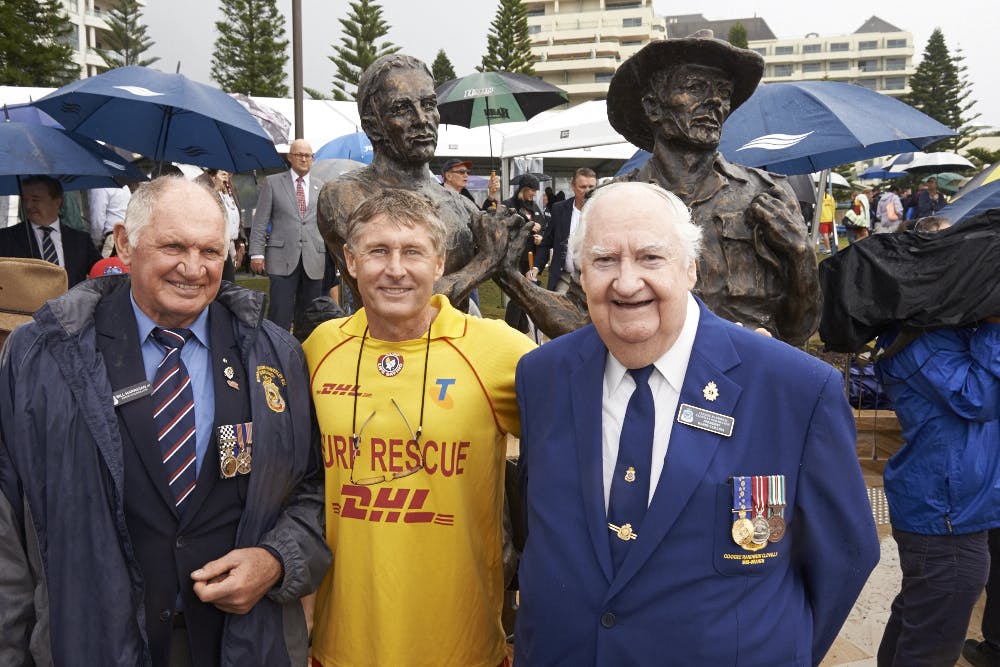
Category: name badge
<point>706,420</point>
<point>129,394</point>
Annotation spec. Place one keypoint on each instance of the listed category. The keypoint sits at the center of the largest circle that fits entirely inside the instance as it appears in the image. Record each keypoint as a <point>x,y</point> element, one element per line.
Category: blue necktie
<point>629,495</point>
<point>49,253</point>
<point>173,414</point>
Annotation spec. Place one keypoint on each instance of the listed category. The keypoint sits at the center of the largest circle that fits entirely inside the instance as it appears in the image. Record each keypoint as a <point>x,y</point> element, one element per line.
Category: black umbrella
<point>490,98</point>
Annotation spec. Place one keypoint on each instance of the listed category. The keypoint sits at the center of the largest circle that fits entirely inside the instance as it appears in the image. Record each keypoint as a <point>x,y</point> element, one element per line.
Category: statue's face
<point>408,116</point>
<point>690,104</point>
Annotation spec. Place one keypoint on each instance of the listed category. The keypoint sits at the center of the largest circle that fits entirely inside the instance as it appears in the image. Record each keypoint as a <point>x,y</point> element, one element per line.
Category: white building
<point>578,44</point>
<point>89,18</point>
<point>878,55</point>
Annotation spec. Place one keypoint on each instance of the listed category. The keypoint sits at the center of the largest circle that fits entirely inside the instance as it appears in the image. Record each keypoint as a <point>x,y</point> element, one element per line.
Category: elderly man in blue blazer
<point>691,488</point>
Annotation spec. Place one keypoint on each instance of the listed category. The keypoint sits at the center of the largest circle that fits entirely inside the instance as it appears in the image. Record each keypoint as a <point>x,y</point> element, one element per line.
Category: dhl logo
<point>337,389</point>
<point>390,505</point>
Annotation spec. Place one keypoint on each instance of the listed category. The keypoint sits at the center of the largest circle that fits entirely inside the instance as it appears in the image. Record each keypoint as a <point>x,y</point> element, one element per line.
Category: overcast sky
<point>184,31</point>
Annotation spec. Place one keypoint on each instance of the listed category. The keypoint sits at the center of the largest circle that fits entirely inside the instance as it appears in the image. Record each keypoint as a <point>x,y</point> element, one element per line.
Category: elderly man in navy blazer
<point>691,488</point>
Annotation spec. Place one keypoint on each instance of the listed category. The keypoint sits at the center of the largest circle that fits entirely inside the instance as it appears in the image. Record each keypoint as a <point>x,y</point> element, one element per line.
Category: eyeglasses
<point>302,156</point>
<point>386,477</point>
<point>415,437</point>
<point>463,172</point>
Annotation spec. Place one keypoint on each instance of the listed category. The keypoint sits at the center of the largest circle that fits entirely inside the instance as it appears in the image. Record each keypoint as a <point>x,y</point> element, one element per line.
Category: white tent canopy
<point>583,126</point>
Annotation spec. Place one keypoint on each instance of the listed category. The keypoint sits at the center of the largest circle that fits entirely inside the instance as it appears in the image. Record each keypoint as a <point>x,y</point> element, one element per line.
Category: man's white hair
<point>675,212</point>
<point>141,206</point>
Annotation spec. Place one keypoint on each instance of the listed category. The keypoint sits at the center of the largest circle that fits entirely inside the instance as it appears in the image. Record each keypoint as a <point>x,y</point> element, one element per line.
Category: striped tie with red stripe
<point>173,414</point>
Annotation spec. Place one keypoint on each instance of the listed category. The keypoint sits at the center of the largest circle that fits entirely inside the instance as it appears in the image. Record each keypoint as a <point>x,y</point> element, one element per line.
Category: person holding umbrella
<point>930,201</point>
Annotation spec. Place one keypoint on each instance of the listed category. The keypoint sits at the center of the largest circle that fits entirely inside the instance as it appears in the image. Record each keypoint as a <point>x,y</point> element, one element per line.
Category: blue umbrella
<point>166,117</point>
<point>881,173</point>
<point>78,162</point>
<point>355,146</point>
<point>973,202</point>
<point>804,126</point>
<point>25,113</point>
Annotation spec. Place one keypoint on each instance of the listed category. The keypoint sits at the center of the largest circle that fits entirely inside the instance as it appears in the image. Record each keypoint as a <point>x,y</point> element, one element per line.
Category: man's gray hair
<point>403,208</point>
<point>142,205</point>
<point>675,211</point>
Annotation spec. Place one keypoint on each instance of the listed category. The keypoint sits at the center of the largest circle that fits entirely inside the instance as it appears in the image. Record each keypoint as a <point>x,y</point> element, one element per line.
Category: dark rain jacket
<point>61,467</point>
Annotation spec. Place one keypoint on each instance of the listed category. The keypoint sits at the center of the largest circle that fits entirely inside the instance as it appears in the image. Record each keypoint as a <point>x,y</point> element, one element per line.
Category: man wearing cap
<point>758,268</point>
<point>455,175</point>
<point>43,236</point>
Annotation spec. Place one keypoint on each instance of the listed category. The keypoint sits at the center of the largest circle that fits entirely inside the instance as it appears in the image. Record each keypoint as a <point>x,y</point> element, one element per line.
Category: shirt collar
<point>672,365</point>
<point>145,325</point>
<point>295,177</point>
<point>54,226</point>
<point>449,322</point>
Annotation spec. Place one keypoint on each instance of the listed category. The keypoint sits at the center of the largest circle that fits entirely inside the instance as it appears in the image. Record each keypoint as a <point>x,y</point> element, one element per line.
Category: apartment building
<point>878,55</point>
<point>578,44</point>
<point>89,18</point>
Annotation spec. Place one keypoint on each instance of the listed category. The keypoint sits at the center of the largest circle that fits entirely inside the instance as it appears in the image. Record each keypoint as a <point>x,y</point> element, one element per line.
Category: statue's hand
<point>493,232</point>
<point>777,222</point>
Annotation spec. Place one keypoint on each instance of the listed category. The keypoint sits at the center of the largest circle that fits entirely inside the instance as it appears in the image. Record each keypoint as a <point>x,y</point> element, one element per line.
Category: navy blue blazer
<point>556,239</point>
<point>687,594</point>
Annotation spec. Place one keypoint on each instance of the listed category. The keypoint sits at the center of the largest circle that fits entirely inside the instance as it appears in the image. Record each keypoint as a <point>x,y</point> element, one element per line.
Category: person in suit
<point>43,237</point>
<point>160,480</point>
<point>565,216</point>
<point>284,240</point>
<point>689,485</point>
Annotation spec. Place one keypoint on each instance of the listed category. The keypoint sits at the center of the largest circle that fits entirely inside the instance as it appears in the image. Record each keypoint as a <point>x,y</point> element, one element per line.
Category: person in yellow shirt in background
<point>826,215</point>
<point>414,401</point>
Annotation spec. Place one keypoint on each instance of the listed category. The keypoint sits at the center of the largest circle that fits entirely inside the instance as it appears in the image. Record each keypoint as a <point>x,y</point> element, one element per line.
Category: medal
<point>742,526</point>
<point>235,449</point>
<point>710,392</point>
<point>761,528</point>
<point>630,474</point>
<point>776,502</point>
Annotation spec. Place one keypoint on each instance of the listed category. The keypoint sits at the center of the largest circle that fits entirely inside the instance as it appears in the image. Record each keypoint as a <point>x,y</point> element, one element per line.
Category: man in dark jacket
<point>524,204</point>
<point>44,235</point>
<point>565,216</point>
<point>160,489</point>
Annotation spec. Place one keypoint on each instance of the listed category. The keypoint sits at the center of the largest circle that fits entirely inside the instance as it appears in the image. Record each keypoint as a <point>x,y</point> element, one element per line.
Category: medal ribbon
<point>741,497</point>
<point>759,494</point>
<point>776,495</point>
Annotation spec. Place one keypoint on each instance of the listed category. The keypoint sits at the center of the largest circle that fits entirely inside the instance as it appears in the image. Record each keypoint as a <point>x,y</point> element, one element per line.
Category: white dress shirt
<point>574,220</point>
<point>665,383</point>
<point>56,237</point>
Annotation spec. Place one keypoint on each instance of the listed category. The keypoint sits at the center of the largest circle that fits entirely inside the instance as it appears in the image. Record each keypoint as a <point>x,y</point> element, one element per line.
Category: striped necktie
<point>173,414</point>
<point>49,253</point>
<point>629,494</point>
<point>300,194</point>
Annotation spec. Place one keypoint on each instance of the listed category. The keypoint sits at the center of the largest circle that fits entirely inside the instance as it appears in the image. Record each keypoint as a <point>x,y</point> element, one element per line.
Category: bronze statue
<point>758,266</point>
<point>399,114</point>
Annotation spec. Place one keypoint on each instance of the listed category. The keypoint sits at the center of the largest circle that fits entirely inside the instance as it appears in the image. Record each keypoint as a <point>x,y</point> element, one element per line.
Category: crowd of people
<point>182,482</point>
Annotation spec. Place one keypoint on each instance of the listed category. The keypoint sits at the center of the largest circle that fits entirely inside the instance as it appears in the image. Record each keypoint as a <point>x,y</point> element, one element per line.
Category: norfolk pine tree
<point>250,52</point>
<point>941,90</point>
<point>738,35</point>
<point>362,28</point>
<point>442,70</point>
<point>33,50</point>
<point>126,39</point>
<point>508,45</point>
